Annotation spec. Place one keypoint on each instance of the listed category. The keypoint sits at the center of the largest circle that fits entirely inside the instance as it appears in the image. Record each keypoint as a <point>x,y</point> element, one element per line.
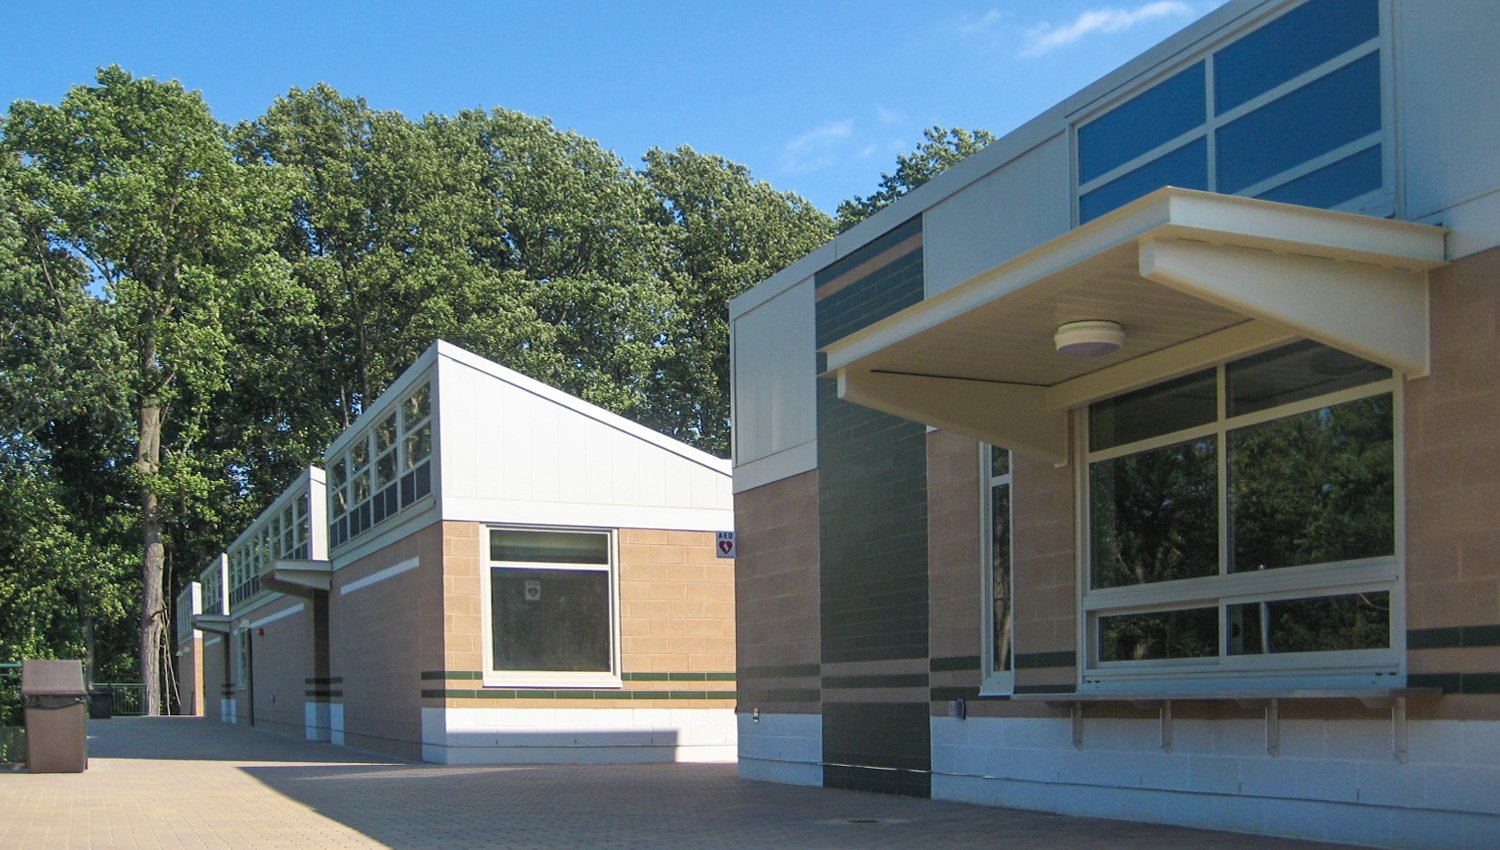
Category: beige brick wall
<point>283,658</point>
<point>383,636</point>
<point>676,617</point>
<point>1045,562</point>
<point>777,596</point>
<point>216,672</point>
<point>190,676</point>
<point>463,624</point>
<point>954,600</point>
<point>676,603</point>
<point>1452,447</point>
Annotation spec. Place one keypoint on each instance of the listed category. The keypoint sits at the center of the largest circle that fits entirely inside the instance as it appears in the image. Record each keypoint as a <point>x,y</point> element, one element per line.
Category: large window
<point>550,608</point>
<point>1242,522</point>
<point>1291,112</point>
<point>999,583</point>
<point>384,469</point>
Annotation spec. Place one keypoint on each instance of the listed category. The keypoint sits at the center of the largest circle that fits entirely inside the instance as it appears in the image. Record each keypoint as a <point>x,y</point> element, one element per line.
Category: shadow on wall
<point>206,739</point>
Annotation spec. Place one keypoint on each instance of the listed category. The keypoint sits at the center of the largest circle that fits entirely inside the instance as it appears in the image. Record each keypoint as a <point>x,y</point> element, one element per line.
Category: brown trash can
<point>56,704</point>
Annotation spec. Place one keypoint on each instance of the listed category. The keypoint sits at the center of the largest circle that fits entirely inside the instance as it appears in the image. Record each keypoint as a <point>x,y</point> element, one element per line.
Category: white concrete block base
<point>316,721</point>
<point>336,723</point>
<point>577,736</point>
<point>227,711</point>
<point>1334,780</point>
<point>785,748</point>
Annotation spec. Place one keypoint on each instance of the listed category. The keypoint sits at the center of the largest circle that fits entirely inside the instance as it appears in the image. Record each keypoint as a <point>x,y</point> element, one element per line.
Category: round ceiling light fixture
<point>1090,338</point>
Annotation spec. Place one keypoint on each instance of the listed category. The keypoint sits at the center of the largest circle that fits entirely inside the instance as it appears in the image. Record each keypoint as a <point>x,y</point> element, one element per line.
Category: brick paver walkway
<point>193,783</point>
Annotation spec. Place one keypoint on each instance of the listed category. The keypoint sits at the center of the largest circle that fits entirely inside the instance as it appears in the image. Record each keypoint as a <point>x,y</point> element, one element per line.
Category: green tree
<point>132,177</point>
<point>725,232</point>
<point>940,150</point>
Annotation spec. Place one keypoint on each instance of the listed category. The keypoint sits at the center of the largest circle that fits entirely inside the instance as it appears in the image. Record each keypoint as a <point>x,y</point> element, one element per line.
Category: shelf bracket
<point>1273,728</point>
<point>1165,712</point>
<point>1398,729</point>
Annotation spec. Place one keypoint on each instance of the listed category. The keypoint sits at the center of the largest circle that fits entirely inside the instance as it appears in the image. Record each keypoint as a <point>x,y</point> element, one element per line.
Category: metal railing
<point>12,725</point>
<point>129,697</point>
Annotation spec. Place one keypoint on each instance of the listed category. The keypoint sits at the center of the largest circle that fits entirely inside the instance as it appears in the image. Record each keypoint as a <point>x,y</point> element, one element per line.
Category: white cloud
<point>811,150</point>
<point>887,115</point>
<point>1046,37</point>
<point>981,24</point>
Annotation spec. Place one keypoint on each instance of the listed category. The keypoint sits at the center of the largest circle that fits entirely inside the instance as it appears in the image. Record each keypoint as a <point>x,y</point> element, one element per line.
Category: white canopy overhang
<point>1193,278</point>
<point>297,577</point>
<point>219,624</point>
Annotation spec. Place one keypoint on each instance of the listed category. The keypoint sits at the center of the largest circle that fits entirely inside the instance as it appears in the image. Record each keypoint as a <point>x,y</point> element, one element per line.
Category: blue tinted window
<point>1327,112</point>
<point>1333,184</point>
<point>1153,117</point>
<point>1185,168</point>
<point>1296,42</point>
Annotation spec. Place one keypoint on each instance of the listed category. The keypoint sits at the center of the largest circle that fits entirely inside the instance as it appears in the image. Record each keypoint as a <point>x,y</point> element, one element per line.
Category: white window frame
<point>995,682</point>
<point>543,678</point>
<point>1355,668</point>
<point>242,659</point>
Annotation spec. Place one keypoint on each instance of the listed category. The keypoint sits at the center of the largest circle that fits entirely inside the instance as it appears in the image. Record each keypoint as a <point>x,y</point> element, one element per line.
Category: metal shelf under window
<point>1375,698</point>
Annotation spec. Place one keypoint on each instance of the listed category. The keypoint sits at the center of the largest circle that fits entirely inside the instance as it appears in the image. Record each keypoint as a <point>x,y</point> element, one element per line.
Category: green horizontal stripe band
<point>1453,637</point>
<point>895,680</point>
<point>1037,660</point>
<point>581,693</point>
<point>677,677</point>
<point>788,671</point>
<point>1060,690</point>
<point>955,663</point>
<point>748,695</point>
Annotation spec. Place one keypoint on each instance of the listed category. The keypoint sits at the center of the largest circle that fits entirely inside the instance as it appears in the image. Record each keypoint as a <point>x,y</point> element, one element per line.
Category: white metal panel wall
<point>773,363</point>
<point>509,454</point>
<point>1009,211</point>
<point>1448,70</point>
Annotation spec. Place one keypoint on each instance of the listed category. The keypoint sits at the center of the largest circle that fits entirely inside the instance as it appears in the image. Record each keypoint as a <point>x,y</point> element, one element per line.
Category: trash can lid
<point>52,677</point>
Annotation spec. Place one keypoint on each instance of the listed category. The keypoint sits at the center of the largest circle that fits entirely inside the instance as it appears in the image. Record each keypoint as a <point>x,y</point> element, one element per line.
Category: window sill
<point>1151,698</point>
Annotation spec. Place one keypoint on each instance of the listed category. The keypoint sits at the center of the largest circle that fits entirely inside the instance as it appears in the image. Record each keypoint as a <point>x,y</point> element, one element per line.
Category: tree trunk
<point>147,460</point>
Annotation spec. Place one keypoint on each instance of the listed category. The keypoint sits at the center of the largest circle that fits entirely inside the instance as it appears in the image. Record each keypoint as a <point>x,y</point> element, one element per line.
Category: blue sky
<point>814,96</point>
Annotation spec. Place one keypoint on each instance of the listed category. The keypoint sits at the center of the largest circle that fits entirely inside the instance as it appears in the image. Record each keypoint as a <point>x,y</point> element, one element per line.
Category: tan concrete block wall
<point>954,498</point>
<point>1452,464</point>
<point>676,603</point>
<point>216,673</point>
<point>383,636</point>
<point>1045,562</point>
<point>190,677</point>
<point>777,597</point>
<point>463,625</point>
<point>1452,420</point>
<point>283,659</point>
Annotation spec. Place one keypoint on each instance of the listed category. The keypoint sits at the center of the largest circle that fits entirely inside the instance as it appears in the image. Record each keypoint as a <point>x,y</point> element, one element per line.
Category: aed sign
<point>724,545</point>
<point>533,590</point>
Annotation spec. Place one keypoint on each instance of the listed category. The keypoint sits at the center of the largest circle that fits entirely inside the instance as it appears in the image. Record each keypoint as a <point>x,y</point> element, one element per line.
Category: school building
<point>1145,464</point>
<point>484,570</point>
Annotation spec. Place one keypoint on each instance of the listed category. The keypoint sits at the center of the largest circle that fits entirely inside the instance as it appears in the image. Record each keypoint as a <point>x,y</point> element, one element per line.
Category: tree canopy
<point>194,311</point>
<point>939,150</point>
